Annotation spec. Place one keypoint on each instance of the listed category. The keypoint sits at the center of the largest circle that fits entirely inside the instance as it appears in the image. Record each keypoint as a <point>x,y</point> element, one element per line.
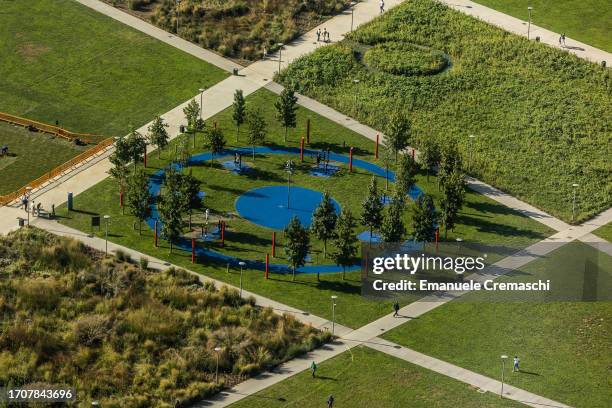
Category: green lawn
<point>531,107</point>
<point>482,220</point>
<point>587,21</point>
<point>604,232</point>
<point>30,155</point>
<point>564,347</point>
<point>363,377</point>
<point>63,61</point>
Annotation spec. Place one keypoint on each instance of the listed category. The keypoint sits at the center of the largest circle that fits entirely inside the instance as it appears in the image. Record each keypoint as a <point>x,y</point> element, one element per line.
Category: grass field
<point>605,232</point>
<point>564,347</point>
<point>63,61</point>
<point>363,377</point>
<point>482,220</point>
<point>30,155</point>
<point>527,136</point>
<point>587,21</point>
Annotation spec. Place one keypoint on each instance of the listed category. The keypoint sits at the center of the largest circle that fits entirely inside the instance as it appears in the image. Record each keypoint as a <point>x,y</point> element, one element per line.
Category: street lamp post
<point>471,137</point>
<point>27,207</point>
<point>503,359</point>
<point>280,55</point>
<point>356,82</point>
<point>459,241</point>
<point>217,350</point>
<point>178,16</point>
<point>529,23</point>
<point>352,13</point>
<point>201,96</point>
<point>241,263</point>
<point>289,169</point>
<point>575,186</point>
<point>106,218</point>
<point>334,297</point>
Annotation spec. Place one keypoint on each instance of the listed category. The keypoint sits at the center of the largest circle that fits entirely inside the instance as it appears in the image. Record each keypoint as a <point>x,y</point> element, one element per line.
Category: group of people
<point>313,371</point>
<point>323,36</point>
<point>36,207</point>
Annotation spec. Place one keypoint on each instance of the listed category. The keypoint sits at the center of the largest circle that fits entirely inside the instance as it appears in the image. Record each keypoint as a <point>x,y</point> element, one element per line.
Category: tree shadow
<point>493,208</point>
<point>494,228</point>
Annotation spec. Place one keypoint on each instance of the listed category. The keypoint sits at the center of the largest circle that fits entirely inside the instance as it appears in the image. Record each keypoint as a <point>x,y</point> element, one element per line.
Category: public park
<point>187,218</point>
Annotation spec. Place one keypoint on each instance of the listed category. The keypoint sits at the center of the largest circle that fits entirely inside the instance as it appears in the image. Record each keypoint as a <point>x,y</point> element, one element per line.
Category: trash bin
<point>21,222</point>
<point>69,202</point>
<point>182,129</point>
<point>235,71</point>
<point>538,38</point>
<point>603,64</point>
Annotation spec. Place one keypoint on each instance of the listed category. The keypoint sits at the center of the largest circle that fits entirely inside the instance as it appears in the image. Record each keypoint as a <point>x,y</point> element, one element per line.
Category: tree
<point>454,195</point>
<point>286,106</point>
<point>120,159</point>
<point>424,219</point>
<point>392,228</point>
<point>386,157</point>
<point>297,244</point>
<point>192,113</point>
<point>397,133</point>
<point>136,146</point>
<point>215,142</point>
<point>190,193</point>
<point>182,150</point>
<point>324,221</point>
<point>139,198</point>
<point>158,135</point>
<point>345,241</point>
<point>257,129</point>
<point>405,175</point>
<point>450,161</point>
<point>371,208</point>
<point>171,205</point>
<point>239,113</point>
<point>429,155</point>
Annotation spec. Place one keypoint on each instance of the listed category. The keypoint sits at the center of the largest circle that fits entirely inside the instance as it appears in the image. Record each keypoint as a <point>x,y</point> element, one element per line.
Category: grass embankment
<point>31,155</point>
<point>482,220</point>
<point>124,335</point>
<point>363,377</point>
<point>540,116</point>
<point>564,16</point>
<point>604,232</point>
<point>564,347</point>
<point>66,62</point>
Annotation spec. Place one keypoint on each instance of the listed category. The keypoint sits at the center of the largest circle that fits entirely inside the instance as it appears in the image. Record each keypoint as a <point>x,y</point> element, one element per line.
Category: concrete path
<point>518,26</point>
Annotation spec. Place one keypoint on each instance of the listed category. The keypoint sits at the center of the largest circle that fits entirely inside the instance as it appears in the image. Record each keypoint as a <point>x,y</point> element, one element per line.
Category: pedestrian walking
<point>563,38</point>
<point>330,401</point>
<point>396,309</point>
<point>325,34</point>
<point>313,369</point>
<point>24,202</point>
<point>33,208</point>
<point>318,35</point>
<point>382,6</point>
<point>38,206</point>
<point>515,368</point>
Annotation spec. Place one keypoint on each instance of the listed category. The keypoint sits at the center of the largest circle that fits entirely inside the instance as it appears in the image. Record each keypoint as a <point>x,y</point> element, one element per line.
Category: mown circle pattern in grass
<point>267,206</point>
<point>405,59</point>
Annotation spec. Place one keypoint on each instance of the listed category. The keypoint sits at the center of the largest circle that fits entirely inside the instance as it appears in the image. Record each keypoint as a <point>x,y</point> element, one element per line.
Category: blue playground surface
<point>267,206</point>
<point>320,171</point>
<point>156,180</point>
<point>234,168</point>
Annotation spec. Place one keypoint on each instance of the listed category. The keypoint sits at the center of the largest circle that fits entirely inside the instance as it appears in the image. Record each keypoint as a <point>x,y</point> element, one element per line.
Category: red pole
<point>223,233</point>
<point>267,265</point>
<point>273,244</point>
<point>145,157</point>
<point>302,150</point>
<point>376,151</point>
<point>437,236</point>
<point>192,250</point>
<point>351,160</point>
<point>155,234</point>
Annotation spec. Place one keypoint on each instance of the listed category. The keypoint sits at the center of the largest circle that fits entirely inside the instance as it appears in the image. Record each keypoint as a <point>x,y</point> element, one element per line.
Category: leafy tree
<point>215,142</point>
<point>297,244</point>
<point>158,135</point>
<point>257,129</point>
<point>286,107</point>
<point>397,133</point>
<point>387,158</point>
<point>171,205</point>
<point>139,198</point>
<point>454,196</point>
<point>405,176</point>
<point>424,218</point>
<point>190,193</point>
<point>182,150</point>
<point>192,113</point>
<point>392,228</point>
<point>371,208</point>
<point>345,241</point>
<point>450,161</point>
<point>324,221</point>
<point>429,155</point>
<point>239,113</point>
<point>136,147</point>
<point>120,159</point>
